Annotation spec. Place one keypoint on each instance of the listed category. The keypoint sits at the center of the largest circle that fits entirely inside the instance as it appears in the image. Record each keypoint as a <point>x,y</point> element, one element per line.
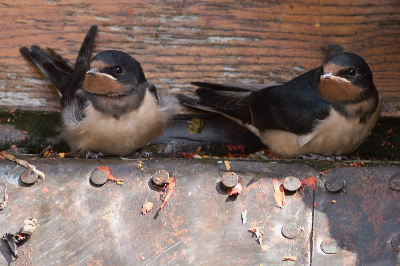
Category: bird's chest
<point>120,136</point>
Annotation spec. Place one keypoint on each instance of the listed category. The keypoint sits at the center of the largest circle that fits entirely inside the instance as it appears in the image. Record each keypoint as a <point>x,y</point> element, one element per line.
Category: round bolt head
<point>99,177</point>
<point>329,246</point>
<point>28,177</point>
<point>334,184</point>
<point>291,183</point>
<point>230,179</point>
<point>394,182</point>
<point>160,177</point>
<point>290,230</point>
<point>396,242</point>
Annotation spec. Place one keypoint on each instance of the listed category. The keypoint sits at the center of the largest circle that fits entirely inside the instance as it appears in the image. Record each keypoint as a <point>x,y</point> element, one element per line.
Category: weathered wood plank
<point>217,41</point>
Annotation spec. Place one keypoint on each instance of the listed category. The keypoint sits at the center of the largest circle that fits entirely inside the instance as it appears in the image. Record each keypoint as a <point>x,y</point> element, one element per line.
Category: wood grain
<point>217,41</point>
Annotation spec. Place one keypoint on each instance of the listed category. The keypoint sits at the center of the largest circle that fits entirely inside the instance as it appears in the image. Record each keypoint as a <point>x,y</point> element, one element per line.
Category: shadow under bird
<point>108,105</point>
<point>327,111</point>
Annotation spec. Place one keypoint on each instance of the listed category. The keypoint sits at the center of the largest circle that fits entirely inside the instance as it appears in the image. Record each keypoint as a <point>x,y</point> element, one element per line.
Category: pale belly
<point>116,137</point>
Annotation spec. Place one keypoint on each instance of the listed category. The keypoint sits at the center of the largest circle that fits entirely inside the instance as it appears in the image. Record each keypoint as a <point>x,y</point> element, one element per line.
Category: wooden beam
<point>217,41</point>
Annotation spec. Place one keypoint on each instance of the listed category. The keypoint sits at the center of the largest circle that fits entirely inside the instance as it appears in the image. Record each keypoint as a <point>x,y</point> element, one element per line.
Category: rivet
<point>291,183</point>
<point>334,184</point>
<point>290,230</point>
<point>28,177</point>
<point>99,177</point>
<point>230,179</point>
<point>396,242</point>
<point>330,246</point>
<point>160,177</point>
<point>394,182</point>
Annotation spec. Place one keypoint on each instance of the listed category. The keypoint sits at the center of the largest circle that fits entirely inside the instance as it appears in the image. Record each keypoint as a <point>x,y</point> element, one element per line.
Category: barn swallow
<point>108,105</point>
<point>327,111</point>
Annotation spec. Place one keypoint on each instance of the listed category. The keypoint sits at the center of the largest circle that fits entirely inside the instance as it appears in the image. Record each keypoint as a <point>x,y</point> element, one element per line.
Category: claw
<point>143,155</point>
<point>93,155</point>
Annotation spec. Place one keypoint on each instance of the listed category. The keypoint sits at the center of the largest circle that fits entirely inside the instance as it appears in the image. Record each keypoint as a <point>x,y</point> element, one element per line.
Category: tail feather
<point>54,71</point>
<point>63,74</point>
<point>227,99</point>
<point>82,64</point>
<point>195,103</point>
<point>233,87</point>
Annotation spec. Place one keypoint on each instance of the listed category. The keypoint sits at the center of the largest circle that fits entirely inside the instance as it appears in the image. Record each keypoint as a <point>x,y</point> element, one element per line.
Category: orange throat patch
<point>101,84</point>
<point>337,90</point>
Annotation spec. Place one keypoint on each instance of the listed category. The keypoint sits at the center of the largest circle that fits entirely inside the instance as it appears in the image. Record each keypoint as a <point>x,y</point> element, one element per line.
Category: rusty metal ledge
<point>81,224</point>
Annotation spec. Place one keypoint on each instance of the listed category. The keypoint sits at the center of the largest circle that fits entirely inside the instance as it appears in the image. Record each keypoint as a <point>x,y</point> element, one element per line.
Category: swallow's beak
<point>96,72</point>
<point>92,71</point>
<point>333,77</point>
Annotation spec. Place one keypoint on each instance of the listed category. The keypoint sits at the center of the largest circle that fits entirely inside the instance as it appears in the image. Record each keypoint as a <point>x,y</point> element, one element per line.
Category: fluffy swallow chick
<point>108,105</point>
<point>329,110</point>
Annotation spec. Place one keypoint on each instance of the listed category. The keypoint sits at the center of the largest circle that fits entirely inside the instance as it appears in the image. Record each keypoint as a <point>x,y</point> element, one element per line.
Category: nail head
<point>160,177</point>
<point>291,183</point>
<point>28,177</point>
<point>230,179</point>
<point>99,177</point>
<point>290,230</point>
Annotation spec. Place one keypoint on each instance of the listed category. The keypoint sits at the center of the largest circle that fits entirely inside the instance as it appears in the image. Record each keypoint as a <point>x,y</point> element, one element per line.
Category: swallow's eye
<point>352,72</point>
<point>117,70</point>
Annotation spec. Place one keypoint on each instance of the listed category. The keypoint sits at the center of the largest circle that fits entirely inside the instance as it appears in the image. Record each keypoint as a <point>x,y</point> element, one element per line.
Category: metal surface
<point>362,222</point>
<point>83,224</point>
<point>80,224</point>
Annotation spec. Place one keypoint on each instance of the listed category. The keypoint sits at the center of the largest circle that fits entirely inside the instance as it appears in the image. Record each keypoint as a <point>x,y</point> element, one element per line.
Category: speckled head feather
<point>113,73</point>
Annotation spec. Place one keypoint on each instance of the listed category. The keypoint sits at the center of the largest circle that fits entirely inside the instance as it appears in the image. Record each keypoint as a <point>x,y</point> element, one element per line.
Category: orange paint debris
<point>45,190</point>
<point>356,164</point>
<point>315,204</point>
<point>147,206</point>
<point>130,11</point>
<point>12,111</point>
<point>390,130</point>
<point>279,194</point>
<point>383,144</point>
<point>191,155</point>
<point>292,258</point>
<point>240,147</point>
<point>310,182</point>
<point>236,190</point>
<point>110,176</point>
<point>171,187</point>
<point>264,247</point>
<point>326,171</point>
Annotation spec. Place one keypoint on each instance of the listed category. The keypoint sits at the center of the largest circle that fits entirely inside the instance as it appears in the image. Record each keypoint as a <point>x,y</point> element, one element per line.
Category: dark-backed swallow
<point>108,105</point>
<point>329,110</point>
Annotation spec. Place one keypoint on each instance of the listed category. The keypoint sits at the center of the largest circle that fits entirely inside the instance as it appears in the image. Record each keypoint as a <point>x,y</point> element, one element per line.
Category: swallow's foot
<point>140,154</point>
<point>93,155</point>
<point>313,156</point>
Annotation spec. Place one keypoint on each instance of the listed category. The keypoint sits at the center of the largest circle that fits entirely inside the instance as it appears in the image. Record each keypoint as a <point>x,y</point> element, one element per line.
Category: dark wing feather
<point>295,106</point>
<point>57,73</point>
<point>58,70</point>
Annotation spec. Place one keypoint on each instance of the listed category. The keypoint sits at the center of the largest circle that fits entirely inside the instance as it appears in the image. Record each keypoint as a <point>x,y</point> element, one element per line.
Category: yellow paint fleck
<point>228,167</point>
